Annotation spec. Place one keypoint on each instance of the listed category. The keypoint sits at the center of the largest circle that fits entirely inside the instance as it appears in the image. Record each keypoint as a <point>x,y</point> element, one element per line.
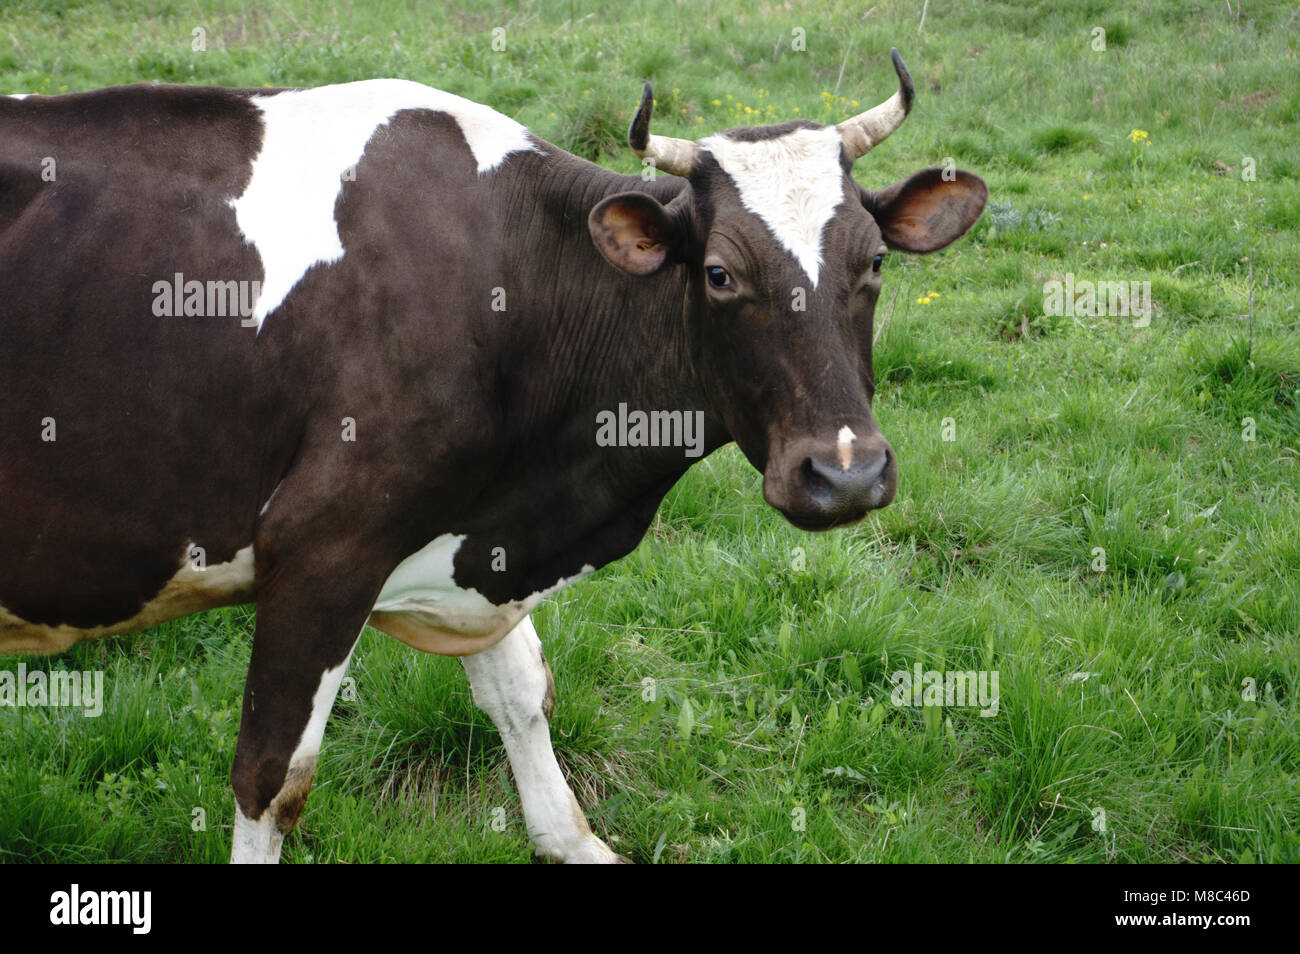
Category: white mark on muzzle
<point>845,444</point>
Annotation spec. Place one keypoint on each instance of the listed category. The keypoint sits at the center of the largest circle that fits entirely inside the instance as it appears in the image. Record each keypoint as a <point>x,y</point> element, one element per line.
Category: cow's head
<point>784,254</point>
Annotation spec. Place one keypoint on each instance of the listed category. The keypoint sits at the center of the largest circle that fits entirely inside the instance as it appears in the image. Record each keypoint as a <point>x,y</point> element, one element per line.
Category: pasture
<point>1102,510</point>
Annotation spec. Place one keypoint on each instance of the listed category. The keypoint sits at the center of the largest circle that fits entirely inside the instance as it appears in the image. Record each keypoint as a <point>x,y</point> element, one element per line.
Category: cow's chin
<point>807,512</point>
<point>817,521</point>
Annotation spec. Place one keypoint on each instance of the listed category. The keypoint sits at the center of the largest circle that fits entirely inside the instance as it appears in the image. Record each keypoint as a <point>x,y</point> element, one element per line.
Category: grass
<point>1096,530</point>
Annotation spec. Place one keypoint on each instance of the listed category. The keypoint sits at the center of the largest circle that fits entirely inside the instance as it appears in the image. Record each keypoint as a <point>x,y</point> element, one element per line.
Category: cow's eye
<point>877,262</point>
<point>718,276</point>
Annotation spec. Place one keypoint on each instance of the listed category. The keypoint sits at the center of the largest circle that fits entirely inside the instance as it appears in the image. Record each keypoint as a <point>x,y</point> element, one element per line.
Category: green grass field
<point>724,691</point>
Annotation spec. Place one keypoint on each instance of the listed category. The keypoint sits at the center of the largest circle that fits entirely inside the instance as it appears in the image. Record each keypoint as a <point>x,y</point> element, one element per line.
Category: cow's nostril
<point>836,493</point>
<point>814,479</point>
<point>811,485</point>
<point>880,467</point>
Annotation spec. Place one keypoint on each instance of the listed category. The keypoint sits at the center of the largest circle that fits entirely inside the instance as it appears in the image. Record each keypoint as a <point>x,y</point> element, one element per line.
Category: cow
<point>386,412</point>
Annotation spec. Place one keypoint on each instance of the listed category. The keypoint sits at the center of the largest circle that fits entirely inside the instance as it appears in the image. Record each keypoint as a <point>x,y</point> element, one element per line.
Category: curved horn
<point>677,156</point>
<point>867,130</point>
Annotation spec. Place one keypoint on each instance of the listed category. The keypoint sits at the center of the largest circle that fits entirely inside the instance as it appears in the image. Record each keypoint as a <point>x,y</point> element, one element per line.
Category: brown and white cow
<point>388,412</point>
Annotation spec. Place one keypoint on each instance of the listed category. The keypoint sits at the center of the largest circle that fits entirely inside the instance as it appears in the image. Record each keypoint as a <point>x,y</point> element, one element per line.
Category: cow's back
<point>131,429</point>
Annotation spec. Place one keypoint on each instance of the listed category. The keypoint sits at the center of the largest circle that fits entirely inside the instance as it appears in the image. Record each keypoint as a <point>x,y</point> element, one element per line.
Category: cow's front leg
<point>273,770</point>
<point>513,685</point>
<point>308,621</point>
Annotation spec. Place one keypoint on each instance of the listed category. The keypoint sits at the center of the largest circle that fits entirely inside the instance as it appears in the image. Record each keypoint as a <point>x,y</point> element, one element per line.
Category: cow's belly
<point>191,590</point>
<point>421,605</point>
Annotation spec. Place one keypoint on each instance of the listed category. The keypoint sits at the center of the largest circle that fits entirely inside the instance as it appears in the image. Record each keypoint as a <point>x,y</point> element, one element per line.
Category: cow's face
<point>785,254</point>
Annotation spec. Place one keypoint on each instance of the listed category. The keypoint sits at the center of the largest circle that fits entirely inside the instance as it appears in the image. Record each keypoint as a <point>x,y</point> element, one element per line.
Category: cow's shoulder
<point>323,124</point>
<point>342,119</point>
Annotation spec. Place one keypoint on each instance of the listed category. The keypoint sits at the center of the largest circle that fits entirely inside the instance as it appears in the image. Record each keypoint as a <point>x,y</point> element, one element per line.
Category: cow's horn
<point>867,130</point>
<point>676,156</point>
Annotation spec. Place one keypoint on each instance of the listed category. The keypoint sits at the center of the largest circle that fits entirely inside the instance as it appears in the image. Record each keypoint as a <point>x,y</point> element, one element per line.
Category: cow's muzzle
<point>820,484</point>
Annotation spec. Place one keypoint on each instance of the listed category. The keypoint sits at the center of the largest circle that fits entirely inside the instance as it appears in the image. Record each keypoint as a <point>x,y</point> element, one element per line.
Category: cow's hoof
<point>589,851</point>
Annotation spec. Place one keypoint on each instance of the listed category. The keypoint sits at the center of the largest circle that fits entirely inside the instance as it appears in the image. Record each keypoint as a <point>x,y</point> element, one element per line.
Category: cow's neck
<point>582,338</point>
<point>608,338</point>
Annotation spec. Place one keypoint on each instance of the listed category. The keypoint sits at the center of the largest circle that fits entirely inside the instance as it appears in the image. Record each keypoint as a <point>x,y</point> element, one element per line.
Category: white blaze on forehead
<point>311,138</point>
<point>793,183</point>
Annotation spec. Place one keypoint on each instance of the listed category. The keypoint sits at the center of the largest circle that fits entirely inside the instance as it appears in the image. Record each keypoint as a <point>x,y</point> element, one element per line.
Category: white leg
<point>257,841</point>
<point>512,684</point>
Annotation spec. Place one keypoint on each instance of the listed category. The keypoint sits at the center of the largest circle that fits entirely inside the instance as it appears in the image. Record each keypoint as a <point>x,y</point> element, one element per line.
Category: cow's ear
<point>635,232</point>
<point>929,209</point>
